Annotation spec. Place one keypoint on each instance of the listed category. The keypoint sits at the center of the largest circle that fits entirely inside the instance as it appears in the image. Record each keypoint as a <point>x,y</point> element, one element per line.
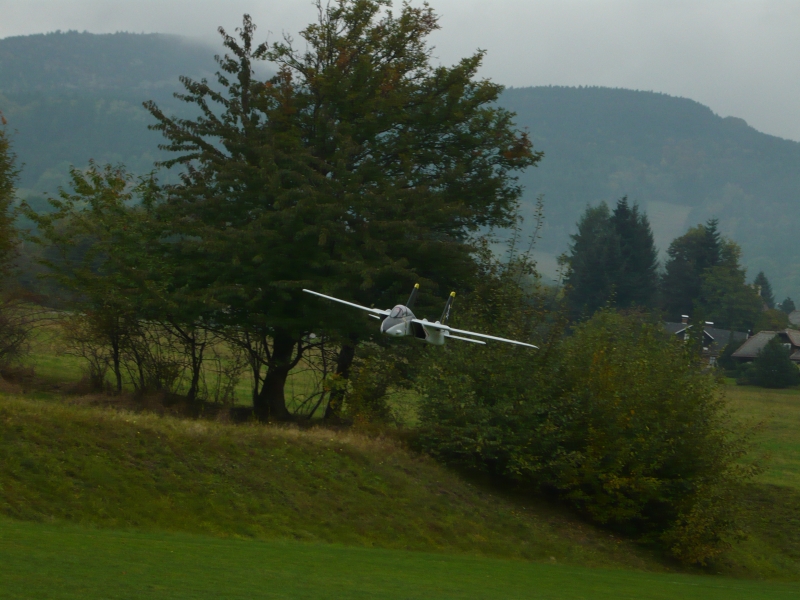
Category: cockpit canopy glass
<point>397,312</point>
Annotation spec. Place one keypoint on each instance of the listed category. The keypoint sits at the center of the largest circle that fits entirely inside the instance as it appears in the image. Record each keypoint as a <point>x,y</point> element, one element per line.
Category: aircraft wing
<point>374,311</point>
<point>448,329</point>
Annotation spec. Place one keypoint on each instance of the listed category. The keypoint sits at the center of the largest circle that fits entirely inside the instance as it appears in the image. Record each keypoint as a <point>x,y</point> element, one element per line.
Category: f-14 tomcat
<point>400,321</point>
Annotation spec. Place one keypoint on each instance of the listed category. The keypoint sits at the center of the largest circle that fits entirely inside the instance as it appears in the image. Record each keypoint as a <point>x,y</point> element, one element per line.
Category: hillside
<point>673,156</point>
<point>75,96</point>
<point>70,97</point>
<point>122,470</point>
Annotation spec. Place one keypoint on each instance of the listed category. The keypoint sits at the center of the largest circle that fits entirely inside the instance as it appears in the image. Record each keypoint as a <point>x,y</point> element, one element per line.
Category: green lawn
<point>779,413</point>
<point>57,561</point>
<point>104,503</point>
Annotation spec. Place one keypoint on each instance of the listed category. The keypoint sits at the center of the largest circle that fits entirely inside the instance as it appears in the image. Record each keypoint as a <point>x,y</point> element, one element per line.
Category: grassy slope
<point>136,471</point>
<point>779,413</point>
<point>57,561</point>
<point>772,502</point>
<point>120,470</point>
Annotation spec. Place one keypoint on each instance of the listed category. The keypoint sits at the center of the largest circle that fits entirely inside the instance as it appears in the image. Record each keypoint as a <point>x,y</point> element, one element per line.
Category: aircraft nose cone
<point>394,329</point>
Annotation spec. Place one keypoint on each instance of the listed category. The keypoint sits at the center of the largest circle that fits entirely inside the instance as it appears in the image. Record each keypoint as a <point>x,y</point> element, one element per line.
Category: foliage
<point>73,96</point>
<point>612,260</point>
<point>649,445</point>
<point>773,319</point>
<point>637,280</point>
<point>725,360</point>
<point>620,422</point>
<point>102,249</point>
<point>690,255</point>
<point>8,176</point>
<point>727,300</point>
<point>703,275</point>
<point>594,256</point>
<point>787,305</point>
<point>359,168</point>
<point>772,367</point>
<point>764,289</point>
<point>16,319</point>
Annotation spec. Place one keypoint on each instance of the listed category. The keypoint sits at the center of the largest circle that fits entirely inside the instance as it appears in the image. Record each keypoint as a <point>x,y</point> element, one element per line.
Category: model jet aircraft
<point>400,321</point>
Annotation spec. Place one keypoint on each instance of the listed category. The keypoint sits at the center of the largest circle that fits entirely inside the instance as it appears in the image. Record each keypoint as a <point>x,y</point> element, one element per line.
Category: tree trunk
<point>343,363</point>
<point>270,403</point>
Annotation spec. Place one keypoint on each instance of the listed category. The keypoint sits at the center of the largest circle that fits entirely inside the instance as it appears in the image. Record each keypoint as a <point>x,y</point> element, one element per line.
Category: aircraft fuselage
<point>400,322</point>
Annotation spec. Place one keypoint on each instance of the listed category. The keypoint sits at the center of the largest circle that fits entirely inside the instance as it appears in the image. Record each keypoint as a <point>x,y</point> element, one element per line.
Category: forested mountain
<point>682,163</point>
<point>69,97</point>
<point>74,96</point>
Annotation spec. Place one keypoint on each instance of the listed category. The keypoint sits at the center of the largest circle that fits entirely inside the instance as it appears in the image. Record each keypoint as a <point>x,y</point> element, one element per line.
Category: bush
<point>772,368</point>
<point>619,420</point>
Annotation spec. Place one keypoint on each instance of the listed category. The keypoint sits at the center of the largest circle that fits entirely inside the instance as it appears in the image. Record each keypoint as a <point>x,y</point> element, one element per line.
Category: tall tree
<point>787,305</point>
<point>613,260</point>
<point>358,169</point>
<point>690,255</point>
<point>637,279</point>
<point>764,289</point>
<point>8,178</point>
<point>593,262</point>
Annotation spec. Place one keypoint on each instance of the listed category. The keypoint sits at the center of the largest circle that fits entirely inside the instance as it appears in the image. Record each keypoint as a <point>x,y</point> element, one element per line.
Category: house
<point>714,340</point>
<point>755,344</point>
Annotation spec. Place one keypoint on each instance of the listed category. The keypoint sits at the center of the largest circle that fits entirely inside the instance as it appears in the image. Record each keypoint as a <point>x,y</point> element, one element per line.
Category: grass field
<point>104,468</point>
<point>779,412</point>
<point>107,503</point>
<point>57,561</point>
<point>56,367</point>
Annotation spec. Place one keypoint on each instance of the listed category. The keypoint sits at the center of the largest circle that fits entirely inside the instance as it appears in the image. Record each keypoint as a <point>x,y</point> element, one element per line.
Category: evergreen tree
<point>787,305</point>
<point>690,255</point>
<point>358,169</point>
<point>637,279</point>
<point>594,262</point>
<point>613,260</point>
<point>8,178</point>
<point>764,289</point>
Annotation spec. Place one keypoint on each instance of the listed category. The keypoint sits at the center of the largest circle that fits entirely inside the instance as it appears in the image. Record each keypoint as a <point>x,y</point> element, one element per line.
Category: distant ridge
<point>85,63</point>
<point>679,160</point>
<point>74,96</point>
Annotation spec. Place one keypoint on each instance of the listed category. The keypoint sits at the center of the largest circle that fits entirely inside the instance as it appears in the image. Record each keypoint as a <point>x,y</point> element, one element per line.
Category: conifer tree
<point>8,177</point>
<point>613,260</point>
<point>593,262</point>
<point>637,279</point>
<point>765,289</point>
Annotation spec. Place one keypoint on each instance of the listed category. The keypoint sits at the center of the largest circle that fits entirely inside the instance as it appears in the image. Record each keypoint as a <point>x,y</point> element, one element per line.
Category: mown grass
<point>771,516</point>
<point>778,411</point>
<point>65,562</point>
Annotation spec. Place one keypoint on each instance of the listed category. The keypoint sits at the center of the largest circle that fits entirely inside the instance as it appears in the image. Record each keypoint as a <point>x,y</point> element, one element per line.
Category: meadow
<point>65,562</point>
<point>99,501</point>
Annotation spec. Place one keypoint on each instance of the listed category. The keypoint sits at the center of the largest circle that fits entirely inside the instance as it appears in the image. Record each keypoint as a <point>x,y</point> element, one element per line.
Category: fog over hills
<point>74,96</point>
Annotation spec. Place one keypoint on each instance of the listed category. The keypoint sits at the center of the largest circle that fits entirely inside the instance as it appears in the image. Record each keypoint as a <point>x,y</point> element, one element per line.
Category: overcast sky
<point>741,58</point>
